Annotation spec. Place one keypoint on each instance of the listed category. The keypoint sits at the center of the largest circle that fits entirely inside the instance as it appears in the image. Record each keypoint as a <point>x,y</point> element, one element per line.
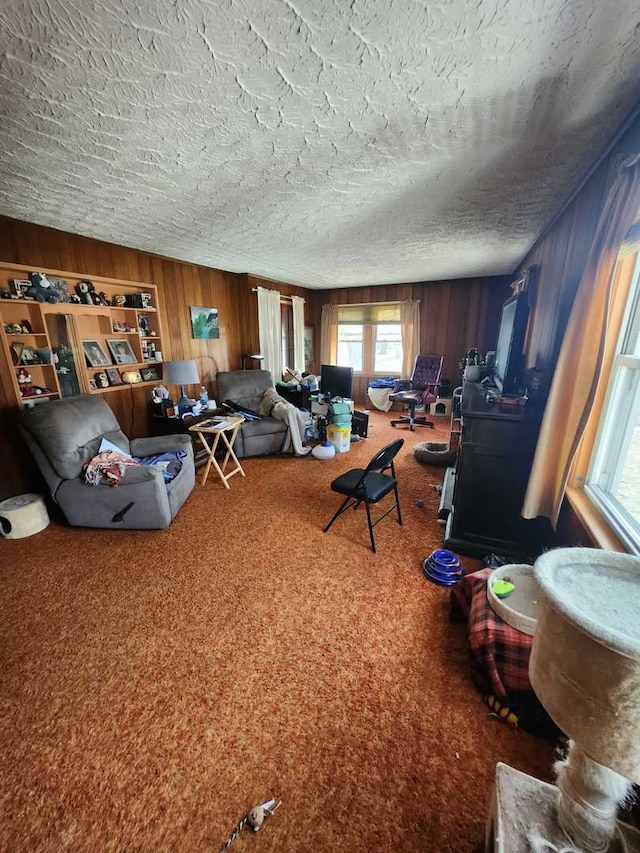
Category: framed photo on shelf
<point>144,325</point>
<point>150,374</point>
<point>19,287</point>
<point>94,354</point>
<point>30,356</point>
<point>113,375</point>
<point>121,351</point>
<point>16,352</point>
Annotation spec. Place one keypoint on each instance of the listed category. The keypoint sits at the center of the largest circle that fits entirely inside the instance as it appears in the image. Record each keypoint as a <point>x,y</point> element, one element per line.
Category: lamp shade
<point>182,372</point>
<point>254,357</point>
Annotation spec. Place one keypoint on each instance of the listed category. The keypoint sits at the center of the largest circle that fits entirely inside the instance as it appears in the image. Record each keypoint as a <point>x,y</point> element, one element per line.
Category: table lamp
<point>585,669</point>
<point>256,357</point>
<point>182,373</point>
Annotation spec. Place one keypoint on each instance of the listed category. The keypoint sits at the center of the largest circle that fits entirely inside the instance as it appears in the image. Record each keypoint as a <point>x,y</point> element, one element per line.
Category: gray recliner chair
<point>64,435</point>
<point>246,387</point>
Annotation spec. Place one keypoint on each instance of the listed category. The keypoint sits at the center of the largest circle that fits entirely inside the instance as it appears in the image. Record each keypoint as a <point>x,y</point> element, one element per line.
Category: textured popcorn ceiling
<point>323,143</point>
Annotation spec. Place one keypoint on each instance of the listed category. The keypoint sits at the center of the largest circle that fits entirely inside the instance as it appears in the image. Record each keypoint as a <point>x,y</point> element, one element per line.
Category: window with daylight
<point>612,482</point>
<point>286,325</point>
<point>370,338</point>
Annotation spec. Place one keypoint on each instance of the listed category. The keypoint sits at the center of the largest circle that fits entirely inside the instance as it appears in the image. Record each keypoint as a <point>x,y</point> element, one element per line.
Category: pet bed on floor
<point>434,453</point>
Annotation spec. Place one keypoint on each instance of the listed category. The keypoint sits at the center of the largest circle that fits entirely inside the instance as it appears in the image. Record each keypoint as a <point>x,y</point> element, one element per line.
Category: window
<point>286,324</point>
<point>612,481</point>
<point>351,346</point>
<point>370,338</point>
<point>387,352</point>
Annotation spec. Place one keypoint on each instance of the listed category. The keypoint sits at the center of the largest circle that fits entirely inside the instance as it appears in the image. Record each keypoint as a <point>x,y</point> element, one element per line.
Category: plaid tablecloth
<point>498,654</point>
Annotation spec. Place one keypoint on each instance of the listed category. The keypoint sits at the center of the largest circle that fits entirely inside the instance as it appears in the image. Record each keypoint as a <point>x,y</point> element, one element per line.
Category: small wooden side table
<point>226,429</point>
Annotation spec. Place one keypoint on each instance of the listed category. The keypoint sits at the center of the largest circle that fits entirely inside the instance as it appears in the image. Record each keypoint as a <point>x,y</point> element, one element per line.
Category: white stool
<point>22,515</point>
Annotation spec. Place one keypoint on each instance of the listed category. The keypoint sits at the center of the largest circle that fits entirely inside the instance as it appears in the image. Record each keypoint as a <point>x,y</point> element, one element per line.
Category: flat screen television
<point>336,381</point>
<point>507,372</point>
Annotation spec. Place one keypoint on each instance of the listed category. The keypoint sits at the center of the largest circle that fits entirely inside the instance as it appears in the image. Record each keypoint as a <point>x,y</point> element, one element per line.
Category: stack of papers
<point>213,422</point>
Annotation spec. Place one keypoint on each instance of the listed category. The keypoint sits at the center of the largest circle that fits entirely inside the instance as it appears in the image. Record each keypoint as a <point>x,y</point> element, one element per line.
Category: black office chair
<point>369,485</point>
<point>422,390</point>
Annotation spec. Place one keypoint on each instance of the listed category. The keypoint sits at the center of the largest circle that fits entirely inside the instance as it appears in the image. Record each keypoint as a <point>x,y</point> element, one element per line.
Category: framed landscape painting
<point>204,322</point>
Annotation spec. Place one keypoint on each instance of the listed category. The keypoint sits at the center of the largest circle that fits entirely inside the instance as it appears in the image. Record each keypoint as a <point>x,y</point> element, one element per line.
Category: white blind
<point>373,313</point>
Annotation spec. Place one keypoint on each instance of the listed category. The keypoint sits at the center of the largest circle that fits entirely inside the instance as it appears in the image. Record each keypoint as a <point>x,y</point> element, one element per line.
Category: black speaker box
<point>360,424</point>
<point>164,407</point>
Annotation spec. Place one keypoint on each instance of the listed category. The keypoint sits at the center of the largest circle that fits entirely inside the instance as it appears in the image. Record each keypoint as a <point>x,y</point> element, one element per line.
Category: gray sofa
<point>64,435</point>
<point>246,387</point>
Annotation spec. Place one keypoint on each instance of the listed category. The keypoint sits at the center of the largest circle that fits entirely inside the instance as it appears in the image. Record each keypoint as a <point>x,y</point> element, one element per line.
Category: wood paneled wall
<point>558,260</point>
<point>179,286</point>
<point>249,335</point>
<point>559,257</point>
<point>455,316</point>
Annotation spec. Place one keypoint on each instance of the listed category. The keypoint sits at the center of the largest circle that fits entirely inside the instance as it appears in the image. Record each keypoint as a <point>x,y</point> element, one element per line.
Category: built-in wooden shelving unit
<point>69,348</point>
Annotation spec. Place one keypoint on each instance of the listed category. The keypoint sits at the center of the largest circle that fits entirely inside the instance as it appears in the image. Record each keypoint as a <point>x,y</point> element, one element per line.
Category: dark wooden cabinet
<point>161,425</point>
<point>298,396</point>
<point>496,452</point>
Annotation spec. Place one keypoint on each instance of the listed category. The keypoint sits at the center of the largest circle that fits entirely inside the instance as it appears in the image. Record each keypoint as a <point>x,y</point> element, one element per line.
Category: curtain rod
<point>282,298</point>
<point>363,304</point>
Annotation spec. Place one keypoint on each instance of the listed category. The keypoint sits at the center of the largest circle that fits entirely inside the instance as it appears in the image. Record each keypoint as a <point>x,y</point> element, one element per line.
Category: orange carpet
<point>157,685</point>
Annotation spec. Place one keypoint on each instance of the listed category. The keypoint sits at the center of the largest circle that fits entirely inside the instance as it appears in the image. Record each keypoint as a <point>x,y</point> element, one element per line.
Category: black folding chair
<point>369,485</point>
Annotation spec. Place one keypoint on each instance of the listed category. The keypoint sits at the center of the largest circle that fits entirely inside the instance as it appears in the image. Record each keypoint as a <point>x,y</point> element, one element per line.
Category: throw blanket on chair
<point>107,464</point>
<point>171,462</point>
<point>274,406</point>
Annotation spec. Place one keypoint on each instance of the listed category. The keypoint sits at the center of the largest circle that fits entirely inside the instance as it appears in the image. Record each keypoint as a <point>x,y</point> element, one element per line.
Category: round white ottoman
<point>22,515</point>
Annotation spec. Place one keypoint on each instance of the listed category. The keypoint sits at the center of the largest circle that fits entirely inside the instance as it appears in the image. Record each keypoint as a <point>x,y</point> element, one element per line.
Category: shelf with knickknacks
<point>29,389</point>
<point>60,312</point>
<point>472,365</point>
<point>149,351</point>
<point>123,328</point>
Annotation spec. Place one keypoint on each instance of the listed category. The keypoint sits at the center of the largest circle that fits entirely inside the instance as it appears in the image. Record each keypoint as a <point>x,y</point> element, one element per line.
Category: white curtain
<point>410,329</point>
<point>329,334</point>
<point>270,325</point>
<point>298,333</point>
